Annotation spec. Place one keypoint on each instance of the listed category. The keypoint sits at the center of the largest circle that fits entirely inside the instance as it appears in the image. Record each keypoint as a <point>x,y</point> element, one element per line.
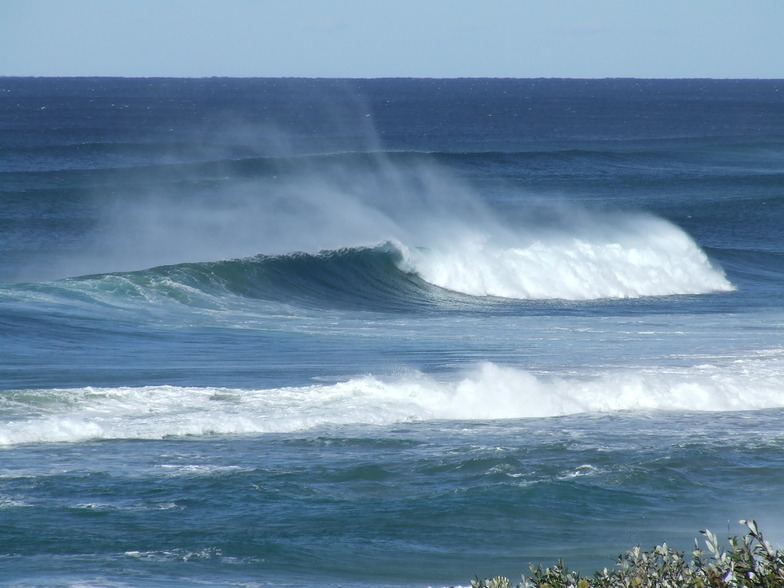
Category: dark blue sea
<point>393,332</point>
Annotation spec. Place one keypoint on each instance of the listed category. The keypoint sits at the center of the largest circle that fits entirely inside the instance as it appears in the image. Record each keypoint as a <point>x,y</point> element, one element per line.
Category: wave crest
<point>643,257</point>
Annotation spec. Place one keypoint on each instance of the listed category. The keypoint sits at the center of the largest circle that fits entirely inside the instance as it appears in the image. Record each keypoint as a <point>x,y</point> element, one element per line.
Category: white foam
<point>489,391</point>
<point>628,257</point>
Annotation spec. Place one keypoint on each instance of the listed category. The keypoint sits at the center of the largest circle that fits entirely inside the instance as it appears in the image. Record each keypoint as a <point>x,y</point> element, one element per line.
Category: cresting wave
<point>489,392</point>
<point>407,207</point>
<point>639,256</point>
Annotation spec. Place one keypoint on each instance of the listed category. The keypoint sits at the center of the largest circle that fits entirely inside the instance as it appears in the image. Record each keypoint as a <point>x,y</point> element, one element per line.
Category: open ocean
<point>393,332</point>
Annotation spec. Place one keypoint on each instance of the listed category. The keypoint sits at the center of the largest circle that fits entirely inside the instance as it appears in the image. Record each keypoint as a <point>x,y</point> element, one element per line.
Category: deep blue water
<point>384,332</point>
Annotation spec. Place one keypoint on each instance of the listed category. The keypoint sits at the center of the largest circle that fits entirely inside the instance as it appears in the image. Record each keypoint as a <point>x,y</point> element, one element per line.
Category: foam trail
<point>489,392</point>
<point>638,256</point>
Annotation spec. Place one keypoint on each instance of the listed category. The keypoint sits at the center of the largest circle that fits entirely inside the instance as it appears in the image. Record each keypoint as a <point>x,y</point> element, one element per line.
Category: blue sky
<point>380,38</point>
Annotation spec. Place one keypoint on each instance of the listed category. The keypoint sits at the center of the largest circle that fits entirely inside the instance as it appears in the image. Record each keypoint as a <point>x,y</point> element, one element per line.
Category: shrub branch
<point>749,562</point>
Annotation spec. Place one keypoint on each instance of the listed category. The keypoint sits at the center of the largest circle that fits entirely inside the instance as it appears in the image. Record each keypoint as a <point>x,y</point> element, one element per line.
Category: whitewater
<point>490,392</point>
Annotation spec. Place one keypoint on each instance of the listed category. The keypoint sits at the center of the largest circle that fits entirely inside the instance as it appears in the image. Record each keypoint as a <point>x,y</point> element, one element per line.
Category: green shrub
<point>750,561</point>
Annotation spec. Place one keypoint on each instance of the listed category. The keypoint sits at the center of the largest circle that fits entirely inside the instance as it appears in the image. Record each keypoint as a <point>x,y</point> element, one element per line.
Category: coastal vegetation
<point>750,561</point>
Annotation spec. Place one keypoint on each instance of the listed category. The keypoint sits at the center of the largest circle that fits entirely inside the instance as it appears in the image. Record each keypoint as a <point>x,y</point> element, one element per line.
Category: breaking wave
<point>490,391</point>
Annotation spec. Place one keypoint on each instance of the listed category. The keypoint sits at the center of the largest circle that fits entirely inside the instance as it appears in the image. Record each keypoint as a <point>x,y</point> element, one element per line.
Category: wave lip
<point>646,257</point>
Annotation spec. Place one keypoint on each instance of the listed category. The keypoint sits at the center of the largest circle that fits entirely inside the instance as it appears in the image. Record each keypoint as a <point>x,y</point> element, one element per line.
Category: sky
<point>393,38</point>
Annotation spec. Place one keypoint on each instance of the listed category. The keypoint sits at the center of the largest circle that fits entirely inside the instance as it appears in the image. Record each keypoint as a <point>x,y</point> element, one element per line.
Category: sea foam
<point>641,256</point>
<point>488,392</point>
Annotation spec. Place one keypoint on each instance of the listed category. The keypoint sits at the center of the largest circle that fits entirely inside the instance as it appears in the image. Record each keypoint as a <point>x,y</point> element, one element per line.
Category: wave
<point>641,256</point>
<point>389,227</point>
<point>644,257</point>
<point>391,277</point>
<point>489,392</point>
<point>352,278</point>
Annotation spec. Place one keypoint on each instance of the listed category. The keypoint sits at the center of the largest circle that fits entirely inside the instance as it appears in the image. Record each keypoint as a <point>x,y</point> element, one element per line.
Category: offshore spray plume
<point>330,186</point>
<point>291,190</point>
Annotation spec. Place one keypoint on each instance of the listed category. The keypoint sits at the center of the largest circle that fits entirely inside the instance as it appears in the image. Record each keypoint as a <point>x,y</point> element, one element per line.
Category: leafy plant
<point>750,562</point>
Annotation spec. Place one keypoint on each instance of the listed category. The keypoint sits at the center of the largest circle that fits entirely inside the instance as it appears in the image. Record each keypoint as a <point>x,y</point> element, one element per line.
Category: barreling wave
<point>645,257</point>
<point>650,257</point>
<point>351,278</point>
<point>489,392</point>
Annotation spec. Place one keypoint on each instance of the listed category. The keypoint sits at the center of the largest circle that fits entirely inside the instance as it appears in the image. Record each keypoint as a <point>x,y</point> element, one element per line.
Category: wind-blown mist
<point>305,204</point>
<point>444,231</point>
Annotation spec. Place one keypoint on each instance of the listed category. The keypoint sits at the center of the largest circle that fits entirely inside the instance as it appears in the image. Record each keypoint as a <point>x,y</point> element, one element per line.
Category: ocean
<point>386,332</point>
